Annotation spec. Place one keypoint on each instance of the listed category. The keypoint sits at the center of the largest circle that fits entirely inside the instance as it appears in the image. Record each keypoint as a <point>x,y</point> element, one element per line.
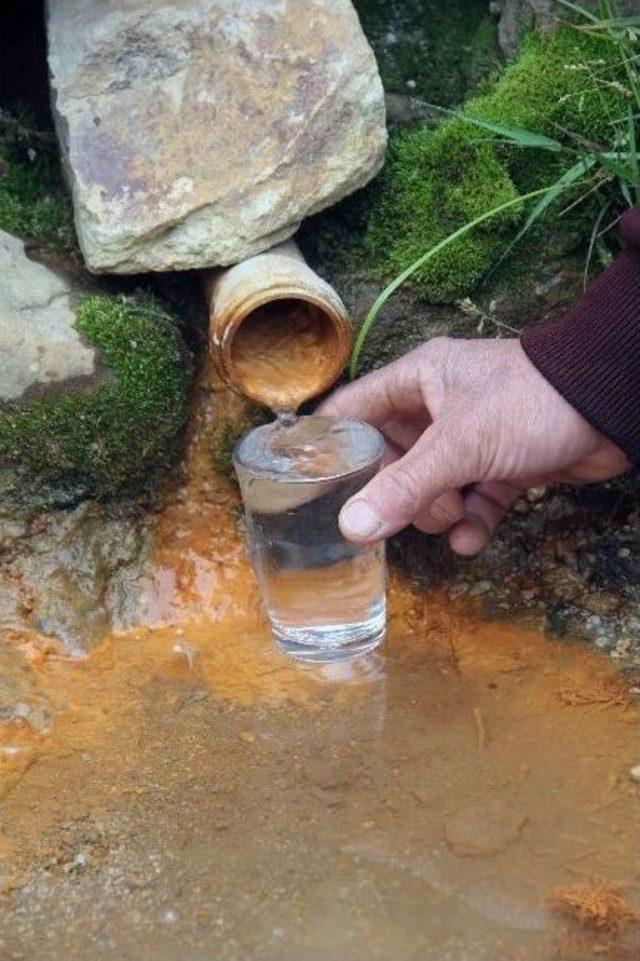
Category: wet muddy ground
<point>468,793</point>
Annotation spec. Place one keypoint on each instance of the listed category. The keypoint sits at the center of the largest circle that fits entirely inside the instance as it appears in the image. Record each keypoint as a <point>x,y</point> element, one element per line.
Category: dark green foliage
<point>442,49</point>
<point>33,203</point>
<point>109,438</point>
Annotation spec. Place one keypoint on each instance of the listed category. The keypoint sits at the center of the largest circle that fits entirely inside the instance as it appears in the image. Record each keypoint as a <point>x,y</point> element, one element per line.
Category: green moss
<point>33,203</point>
<point>567,84</point>
<point>107,439</point>
<point>569,81</point>
<point>442,49</point>
<point>435,181</point>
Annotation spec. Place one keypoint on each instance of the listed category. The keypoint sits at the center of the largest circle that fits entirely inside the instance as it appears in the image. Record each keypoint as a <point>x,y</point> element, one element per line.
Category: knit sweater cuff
<point>591,355</point>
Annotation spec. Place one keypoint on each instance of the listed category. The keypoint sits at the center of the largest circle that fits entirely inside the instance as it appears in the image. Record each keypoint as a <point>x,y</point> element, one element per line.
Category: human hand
<point>456,413</point>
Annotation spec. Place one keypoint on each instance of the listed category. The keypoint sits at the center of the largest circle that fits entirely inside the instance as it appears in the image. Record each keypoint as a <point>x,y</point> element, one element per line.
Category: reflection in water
<point>464,795</point>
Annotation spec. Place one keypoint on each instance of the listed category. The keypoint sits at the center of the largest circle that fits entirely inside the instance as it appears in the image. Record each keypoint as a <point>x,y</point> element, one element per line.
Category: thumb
<point>407,487</point>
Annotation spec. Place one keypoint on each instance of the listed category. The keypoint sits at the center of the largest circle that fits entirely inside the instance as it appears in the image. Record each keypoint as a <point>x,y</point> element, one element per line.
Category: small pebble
<point>481,587</point>
<point>634,773</point>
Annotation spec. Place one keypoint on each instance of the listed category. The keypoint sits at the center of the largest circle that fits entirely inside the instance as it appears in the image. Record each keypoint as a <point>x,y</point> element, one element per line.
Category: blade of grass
<point>633,154</point>
<point>614,23</point>
<point>610,163</point>
<point>397,282</point>
<point>578,9</point>
<point>592,242</point>
<point>576,203</point>
<point>569,177</point>
<point>624,187</point>
<point>516,135</point>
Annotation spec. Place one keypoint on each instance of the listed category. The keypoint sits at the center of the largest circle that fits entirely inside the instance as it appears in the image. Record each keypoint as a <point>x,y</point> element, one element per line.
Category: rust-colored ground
<point>198,796</point>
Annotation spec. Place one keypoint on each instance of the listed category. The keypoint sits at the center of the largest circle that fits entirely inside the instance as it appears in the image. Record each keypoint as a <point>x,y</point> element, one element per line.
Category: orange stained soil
<point>451,798</point>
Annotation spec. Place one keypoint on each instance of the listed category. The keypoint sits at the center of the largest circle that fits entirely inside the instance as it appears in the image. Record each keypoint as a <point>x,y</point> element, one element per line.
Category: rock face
<point>41,352</point>
<point>201,132</point>
<point>72,574</point>
<point>518,16</point>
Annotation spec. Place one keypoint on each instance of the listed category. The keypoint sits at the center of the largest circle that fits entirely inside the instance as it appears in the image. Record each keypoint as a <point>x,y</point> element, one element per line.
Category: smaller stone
<point>602,642</point>
<point>247,737</point>
<point>634,773</point>
<point>624,553</point>
<point>481,829</point>
<point>622,648</point>
<point>481,587</point>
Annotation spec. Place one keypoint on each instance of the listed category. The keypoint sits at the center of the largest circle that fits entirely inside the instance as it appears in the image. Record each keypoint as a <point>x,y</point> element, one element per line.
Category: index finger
<point>392,391</point>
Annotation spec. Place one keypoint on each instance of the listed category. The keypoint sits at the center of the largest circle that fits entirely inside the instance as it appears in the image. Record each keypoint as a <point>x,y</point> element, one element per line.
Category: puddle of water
<point>465,795</point>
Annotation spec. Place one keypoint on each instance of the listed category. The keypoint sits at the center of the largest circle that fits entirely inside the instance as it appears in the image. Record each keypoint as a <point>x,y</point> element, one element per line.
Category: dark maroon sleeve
<point>591,355</point>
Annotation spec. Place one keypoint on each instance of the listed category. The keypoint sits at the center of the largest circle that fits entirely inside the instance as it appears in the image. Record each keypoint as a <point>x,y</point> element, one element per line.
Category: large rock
<point>71,574</point>
<point>201,132</point>
<point>41,352</point>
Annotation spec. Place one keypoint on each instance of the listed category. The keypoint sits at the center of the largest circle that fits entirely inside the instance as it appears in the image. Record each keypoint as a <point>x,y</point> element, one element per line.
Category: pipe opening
<point>285,351</point>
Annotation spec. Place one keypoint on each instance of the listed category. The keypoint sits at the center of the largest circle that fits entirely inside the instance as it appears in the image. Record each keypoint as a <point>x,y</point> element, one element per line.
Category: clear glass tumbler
<point>325,597</point>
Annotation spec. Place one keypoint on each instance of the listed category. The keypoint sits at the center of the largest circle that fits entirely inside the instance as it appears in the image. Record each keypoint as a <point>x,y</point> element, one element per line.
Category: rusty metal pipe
<point>279,333</point>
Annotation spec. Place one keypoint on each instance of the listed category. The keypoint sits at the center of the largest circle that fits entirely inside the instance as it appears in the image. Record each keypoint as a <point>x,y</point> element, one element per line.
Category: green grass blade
<point>633,154</point>
<point>578,9</point>
<point>626,193</point>
<point>592,243</point>
<point>515,135</point>
<point>611,163</point>
<point>614,23</point>
<point>568,178</point>
<point>391,288</point>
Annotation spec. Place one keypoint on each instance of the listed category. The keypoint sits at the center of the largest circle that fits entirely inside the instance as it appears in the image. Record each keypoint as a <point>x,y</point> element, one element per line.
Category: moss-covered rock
<point>570,85</point>
<point>110,437</point>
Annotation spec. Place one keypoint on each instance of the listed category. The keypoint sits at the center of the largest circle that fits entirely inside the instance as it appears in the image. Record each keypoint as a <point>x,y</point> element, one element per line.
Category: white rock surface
<point>40,349</point>
<point>200,132</point>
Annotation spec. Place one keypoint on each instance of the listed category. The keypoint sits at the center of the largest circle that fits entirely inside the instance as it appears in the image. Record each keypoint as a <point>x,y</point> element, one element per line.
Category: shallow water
<point>197,796</point>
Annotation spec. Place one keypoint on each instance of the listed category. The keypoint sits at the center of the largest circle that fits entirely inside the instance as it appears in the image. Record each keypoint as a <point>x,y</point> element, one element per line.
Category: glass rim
<point>269,474</point>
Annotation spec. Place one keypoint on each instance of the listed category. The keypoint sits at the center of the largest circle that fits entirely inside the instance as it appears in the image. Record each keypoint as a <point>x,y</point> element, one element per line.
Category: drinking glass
<point>325,596</point>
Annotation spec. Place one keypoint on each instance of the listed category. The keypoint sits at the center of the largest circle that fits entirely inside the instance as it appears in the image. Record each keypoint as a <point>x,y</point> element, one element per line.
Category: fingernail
<point>358,519</point>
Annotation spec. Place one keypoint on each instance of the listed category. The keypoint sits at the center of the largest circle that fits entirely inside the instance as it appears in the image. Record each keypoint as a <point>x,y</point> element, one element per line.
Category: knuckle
<point>446,511</point>
<point>399,491</point>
